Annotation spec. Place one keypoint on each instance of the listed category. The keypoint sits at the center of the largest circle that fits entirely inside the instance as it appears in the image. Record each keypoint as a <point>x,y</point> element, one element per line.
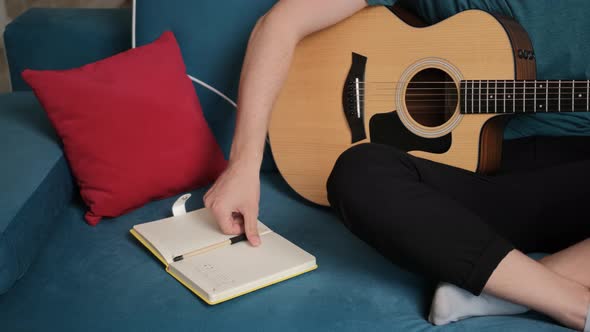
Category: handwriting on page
<point>217,279</point>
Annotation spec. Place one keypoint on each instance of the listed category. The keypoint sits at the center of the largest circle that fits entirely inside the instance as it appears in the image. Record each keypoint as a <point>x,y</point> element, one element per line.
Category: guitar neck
<point>510,97</point>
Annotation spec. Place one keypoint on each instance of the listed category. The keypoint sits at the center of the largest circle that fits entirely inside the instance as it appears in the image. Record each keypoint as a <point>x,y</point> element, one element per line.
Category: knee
<point>362,166</point>
<point>349,165</point>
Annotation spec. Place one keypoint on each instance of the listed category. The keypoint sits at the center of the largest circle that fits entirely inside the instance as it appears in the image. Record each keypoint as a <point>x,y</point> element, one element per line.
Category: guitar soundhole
<point>431,97</point>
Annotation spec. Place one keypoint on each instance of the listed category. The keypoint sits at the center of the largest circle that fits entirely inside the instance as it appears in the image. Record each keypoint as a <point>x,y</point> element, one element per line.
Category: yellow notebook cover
<point>177,272</point>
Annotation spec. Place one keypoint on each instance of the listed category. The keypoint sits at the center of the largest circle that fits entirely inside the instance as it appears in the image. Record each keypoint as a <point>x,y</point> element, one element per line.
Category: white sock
<point>451,304</point>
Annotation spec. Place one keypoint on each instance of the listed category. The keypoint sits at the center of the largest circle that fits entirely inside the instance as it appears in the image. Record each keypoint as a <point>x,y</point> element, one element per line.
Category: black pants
<point>457,226</point>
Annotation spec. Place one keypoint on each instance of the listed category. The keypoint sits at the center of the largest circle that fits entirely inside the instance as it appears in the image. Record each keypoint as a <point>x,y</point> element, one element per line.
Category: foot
<point>451,304</point>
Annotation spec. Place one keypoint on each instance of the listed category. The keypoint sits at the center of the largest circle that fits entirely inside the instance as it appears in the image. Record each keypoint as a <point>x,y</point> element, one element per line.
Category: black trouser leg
<point>454,225</point>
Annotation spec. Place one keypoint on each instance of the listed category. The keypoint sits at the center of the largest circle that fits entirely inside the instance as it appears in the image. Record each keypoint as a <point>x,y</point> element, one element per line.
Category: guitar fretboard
<point>503,96</point>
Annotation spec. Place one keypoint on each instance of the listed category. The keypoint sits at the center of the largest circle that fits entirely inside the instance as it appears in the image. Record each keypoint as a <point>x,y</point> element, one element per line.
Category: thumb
<point>251,226</point>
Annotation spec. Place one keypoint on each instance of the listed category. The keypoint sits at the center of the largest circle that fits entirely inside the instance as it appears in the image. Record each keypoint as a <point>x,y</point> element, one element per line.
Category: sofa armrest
<point>36,183</point>
<point>64,38</point>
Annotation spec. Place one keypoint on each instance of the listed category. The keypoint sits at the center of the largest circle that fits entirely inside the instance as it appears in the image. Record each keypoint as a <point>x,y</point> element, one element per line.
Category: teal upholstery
<point>83,278</point>
<point>213,36</point>
<point>36,184</point>
<point>64,38</point>
<point>101,279</point>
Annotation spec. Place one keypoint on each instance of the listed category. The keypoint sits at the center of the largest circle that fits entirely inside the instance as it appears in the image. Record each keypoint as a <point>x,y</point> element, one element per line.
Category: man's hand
<point>265,68</point>
<point>234,199</point>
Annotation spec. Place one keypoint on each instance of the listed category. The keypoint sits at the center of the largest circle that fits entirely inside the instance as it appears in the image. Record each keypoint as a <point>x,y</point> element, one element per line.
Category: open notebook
<point>225,272</point>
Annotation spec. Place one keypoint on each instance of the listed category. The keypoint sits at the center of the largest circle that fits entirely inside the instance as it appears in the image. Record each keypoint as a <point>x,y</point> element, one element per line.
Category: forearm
<point>266,65</point>
<point>265,68</point>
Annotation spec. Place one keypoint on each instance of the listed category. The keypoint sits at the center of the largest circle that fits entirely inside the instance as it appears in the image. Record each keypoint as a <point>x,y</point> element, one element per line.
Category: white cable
<point>133,22</point>
<point>196,80</point>
<point>217,92</point>
<point>212,89</point>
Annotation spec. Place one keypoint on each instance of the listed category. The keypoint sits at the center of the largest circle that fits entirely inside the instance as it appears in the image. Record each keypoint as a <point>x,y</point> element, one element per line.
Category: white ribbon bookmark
<point>179,208</point>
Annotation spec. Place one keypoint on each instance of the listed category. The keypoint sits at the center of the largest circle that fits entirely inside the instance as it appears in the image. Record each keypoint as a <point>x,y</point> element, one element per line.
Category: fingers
<point>251,227</point>
<point>232,222</point>
<point>224,219</point>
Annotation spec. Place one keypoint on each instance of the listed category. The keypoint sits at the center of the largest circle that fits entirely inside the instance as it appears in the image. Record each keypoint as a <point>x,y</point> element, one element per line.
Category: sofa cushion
<point>106,281</point>
<point>132,127</point>
<point>64,38</point>
<point>36,183</point>
<point>213,36</point>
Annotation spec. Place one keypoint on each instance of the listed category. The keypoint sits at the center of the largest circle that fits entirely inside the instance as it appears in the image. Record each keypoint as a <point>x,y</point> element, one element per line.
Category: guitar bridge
<point>353,103</point>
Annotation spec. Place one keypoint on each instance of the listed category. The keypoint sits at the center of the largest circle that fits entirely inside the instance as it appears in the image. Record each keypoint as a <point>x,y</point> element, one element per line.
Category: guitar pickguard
<point>387,128</point>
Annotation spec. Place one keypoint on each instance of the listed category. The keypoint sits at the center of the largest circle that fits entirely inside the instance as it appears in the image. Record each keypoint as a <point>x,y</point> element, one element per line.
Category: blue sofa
<point>59,274</point>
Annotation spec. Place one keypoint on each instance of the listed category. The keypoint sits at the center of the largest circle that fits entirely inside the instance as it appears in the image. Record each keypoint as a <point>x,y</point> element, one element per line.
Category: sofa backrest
<point>64,39</point>
<point>213,36</point>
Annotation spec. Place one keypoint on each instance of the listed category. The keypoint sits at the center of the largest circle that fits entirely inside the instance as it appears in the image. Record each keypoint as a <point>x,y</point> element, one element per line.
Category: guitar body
<point>352,83</point>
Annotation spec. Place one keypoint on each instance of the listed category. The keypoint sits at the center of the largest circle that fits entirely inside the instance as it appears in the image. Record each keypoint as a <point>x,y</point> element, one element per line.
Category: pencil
<point>227,242</point>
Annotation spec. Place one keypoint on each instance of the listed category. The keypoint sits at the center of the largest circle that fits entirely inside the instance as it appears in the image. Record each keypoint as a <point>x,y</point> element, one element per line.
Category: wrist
<point>246,156</point>
<point>251,164</point>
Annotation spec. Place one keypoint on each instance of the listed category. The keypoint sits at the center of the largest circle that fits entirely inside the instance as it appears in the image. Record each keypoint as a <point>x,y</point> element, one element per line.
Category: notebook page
<point>239,268</point>
<point>179,235</point>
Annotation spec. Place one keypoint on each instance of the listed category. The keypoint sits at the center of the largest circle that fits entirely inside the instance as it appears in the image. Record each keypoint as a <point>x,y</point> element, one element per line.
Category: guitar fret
<point>518,96</point>
<point>559,97</point>
<point>553,103</point>
<point>495,96</point>
<point>568,97</point>
<point>542,106</point>
<point>510,98</point>
<point>581,89</point>
<point>472,96</point>
<point>479,93</point>
<point>487,98</point>
<point>577,102</point>
<point>465,97</point>
<point>504,96</point>
<point>524,92</point>
<point>547,96</point>
<point>535,98</point>
<point>573,95</point>
<point>513,97</point>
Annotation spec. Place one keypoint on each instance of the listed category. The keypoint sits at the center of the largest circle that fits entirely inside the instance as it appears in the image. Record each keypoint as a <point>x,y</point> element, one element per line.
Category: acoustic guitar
<point>440,92</point>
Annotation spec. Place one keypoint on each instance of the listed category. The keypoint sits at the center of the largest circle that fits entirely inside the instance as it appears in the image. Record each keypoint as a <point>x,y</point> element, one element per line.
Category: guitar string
<point>499,92</point>
<point>489,100</point>
<point>417,97</point>
<point>457,89</point>
<point>517,84</point>
<point>428,111</point>
<point>413,98</point>
<point>541,90</point>
<point>473,81</point>
<point>449,94</point>
<point>517,94</point>
<point>491,107</point>
<point>462,88</point>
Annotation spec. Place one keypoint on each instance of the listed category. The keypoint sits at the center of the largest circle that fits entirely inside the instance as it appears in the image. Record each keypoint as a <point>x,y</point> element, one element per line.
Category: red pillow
<point>132,127</point>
